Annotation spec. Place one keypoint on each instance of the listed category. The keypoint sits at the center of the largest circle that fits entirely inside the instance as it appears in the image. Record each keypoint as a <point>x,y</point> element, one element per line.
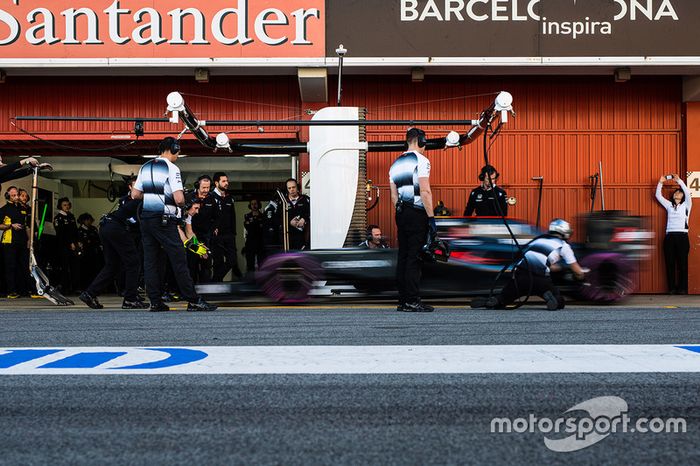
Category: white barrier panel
<point>528,359</point>
<point>334,154</point>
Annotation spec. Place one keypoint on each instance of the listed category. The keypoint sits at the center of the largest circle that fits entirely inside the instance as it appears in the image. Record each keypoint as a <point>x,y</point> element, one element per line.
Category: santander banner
<point>161,29</point>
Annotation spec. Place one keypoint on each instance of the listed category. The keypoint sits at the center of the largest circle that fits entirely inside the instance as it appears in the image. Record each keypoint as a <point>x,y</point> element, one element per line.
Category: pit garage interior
<point>566,126</point>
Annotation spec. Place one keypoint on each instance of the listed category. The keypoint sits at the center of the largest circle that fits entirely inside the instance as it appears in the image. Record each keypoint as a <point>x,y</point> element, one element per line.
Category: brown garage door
<point>564,127</point>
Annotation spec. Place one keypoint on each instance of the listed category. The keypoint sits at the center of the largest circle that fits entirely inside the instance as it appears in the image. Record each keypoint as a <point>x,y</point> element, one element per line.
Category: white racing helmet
<point>560,227</point>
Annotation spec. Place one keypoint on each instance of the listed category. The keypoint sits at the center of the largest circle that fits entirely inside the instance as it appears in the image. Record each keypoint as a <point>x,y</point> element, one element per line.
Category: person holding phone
<point>676,241</point>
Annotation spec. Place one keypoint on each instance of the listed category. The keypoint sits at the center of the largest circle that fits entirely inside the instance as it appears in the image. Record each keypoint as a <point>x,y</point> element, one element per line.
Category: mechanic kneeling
<point>542,256</point>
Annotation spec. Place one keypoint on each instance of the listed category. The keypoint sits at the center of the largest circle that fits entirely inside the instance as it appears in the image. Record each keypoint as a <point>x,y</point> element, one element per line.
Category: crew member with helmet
<point>676,241</point>
<point>409,178</point>
<point>159,184</point>
<point>482,199</point>
<point>543,255</point>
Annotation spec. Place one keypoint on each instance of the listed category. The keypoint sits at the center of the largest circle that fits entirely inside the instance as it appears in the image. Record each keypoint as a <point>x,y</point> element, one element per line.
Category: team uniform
<point>411,222</point>
<point>254,242</point>
<point>13,171</point>
<point>91,258</point>
<point>223,244</point>
<point>68,257</point>
<point>158,179</point>
<point>540,254</point>
<point>366,245</point>
<point>120,254</point>
<point>14,248</point>
<point>483,201</point>
<point>299,208</point>
<point>676,241</point>
<point>134,231</point>
<point>203,225</point>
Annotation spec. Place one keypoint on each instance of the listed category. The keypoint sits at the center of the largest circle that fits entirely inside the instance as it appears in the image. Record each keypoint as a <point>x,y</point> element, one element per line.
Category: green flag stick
<point>41,225</point>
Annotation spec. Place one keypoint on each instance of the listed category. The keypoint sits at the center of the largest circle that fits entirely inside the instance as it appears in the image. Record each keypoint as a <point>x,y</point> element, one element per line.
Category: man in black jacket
<point>204,226</point>
<point>120,253</point>
<point>68,249</point>
<point>299,215</point>
<point>224,239</point>
<point>24,167</point>
<point>487,200</point>
<point>254,225</point>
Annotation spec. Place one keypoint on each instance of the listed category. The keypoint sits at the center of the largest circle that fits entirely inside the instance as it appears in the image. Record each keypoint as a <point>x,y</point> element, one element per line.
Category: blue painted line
<point>83,360</point>
<point>694,349</point>
<point>178,357</point>
<point>15,357</point>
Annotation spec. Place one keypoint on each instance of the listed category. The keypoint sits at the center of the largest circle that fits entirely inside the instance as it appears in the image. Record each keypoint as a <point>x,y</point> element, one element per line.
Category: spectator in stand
<point>68,252</point>
<point>254,248</point>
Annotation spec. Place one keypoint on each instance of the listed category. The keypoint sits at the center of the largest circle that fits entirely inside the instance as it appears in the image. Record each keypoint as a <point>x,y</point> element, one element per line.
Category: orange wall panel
<point>692,147</point>
<point>563,129</point>
<point>224,98</point>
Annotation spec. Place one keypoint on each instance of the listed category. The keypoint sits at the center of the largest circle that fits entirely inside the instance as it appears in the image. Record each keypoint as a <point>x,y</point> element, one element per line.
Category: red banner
<point>77,29</point>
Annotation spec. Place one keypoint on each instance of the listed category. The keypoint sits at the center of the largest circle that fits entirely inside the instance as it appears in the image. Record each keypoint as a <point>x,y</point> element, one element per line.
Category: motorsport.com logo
<point>604,415</point>
<point>528,10</point>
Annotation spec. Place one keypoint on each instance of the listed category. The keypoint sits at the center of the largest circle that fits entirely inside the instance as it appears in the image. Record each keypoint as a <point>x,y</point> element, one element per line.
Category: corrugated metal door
<point>564,127</point>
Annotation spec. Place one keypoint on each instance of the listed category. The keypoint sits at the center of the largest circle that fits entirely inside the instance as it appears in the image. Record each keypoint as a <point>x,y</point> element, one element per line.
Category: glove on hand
<point>432,226</point>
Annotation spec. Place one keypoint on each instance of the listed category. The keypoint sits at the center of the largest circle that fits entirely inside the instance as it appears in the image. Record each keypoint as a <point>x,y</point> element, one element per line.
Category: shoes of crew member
<point>12,296</point>
<point>90,300</point>
<point>551,301</point>
<point>201,306</point>
<point>138,304</point>
<point>485,303</point>
<point>170,297</point>
<point>478,303</point>
<point>415,307</point>
<point>159,307</point>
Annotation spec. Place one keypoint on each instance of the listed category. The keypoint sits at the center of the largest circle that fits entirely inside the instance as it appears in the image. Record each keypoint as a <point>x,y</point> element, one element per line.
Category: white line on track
<point>527,359</point>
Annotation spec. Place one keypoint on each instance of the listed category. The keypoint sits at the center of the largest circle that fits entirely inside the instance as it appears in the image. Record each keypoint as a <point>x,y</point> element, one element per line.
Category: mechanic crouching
<point>531,276</point>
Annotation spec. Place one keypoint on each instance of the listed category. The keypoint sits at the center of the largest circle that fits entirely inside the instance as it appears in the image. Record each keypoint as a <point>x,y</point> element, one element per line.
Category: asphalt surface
<point>335,419</point>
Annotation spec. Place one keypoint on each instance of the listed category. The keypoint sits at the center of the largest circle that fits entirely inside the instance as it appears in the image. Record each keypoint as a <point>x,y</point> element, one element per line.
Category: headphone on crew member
<point>200,179</point>
<point>190,203</point>
<point>419,134</point>
<point>171,144</point>
<point>488,169</point>
<point>368,232</point>
<point>7,193</point>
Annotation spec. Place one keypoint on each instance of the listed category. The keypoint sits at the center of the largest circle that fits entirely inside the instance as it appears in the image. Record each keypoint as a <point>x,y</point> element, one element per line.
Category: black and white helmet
<point>560,227</point>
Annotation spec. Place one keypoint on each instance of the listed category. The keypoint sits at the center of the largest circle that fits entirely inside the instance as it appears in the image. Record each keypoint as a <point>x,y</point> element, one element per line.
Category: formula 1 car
<point>482,255</point>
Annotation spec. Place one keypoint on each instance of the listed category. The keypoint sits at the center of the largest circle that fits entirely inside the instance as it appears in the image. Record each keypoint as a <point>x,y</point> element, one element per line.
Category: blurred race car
<point>481,249</point>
